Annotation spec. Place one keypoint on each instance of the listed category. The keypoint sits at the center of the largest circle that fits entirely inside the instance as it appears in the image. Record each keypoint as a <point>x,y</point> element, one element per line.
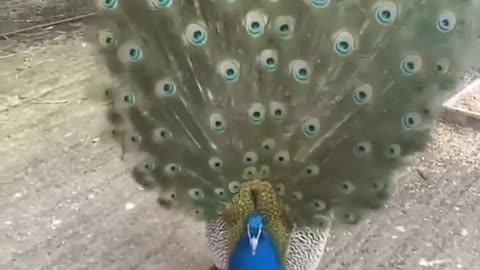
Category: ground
<point>68,203</point>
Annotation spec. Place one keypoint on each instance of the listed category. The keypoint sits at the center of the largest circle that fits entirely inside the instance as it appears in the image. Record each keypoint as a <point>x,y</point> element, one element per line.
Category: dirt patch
<point>470,101</point>
<point>18,14</point>
<point>56,61</point>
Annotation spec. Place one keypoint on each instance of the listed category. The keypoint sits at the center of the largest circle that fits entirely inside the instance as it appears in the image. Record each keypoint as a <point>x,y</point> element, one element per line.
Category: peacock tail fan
<point>319,100</point>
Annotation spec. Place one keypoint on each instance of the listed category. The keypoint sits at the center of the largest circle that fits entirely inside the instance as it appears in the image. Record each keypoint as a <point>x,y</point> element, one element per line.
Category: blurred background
<point>67,202</point>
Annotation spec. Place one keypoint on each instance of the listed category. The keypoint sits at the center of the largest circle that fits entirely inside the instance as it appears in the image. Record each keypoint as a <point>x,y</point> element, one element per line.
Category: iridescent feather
<point>318,100</point>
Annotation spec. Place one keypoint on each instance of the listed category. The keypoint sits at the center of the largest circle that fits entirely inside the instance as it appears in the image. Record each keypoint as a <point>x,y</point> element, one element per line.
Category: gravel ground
<point>19,14</point>
<point>68,203</point>
<point>471,102</point>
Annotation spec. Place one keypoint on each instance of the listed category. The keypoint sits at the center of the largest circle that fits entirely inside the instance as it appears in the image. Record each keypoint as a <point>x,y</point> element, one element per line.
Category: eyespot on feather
<point>172,169</point>
<point>281,158</point>
<point>215,163</point>
<point>218,123</point>
<point>411,64</point>
<point>196,34</point>
<point>284,26</point>
<point>196,193</point>
<point>300,71</point>
<point>229,70</point>
<point>156,4</point>
<point>319,3</point>
<point>446,22</point>
<point>278,111</point>
<point>130,52</point>
<point>255,22</point>
<point>165,88</point>
<point>161,134</point>
<point>250,157</point>
<point>344,43</point>
<point>386,12</point>
<point>256,113</point>
<point>268,59</point>
<point>234,187</point>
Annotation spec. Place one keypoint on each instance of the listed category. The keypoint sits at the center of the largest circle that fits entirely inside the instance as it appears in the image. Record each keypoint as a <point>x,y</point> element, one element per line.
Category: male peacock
<point>273,119</point>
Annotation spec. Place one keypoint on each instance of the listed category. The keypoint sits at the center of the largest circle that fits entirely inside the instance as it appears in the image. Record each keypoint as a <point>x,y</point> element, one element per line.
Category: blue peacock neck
<point>256,249</point>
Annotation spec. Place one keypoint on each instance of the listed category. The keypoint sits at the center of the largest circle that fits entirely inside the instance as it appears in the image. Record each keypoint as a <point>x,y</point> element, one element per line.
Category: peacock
<point>277,121</point>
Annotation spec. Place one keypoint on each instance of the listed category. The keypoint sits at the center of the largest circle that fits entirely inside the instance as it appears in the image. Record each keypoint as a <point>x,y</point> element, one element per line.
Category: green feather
<point>322,99</point>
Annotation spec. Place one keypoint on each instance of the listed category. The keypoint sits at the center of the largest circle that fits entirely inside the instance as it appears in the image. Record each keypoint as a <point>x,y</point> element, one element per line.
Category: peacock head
<point>256,249</point>
<point>254,230</point>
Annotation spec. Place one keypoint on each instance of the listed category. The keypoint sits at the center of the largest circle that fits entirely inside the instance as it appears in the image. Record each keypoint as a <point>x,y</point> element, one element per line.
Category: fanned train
<point>275,121</point>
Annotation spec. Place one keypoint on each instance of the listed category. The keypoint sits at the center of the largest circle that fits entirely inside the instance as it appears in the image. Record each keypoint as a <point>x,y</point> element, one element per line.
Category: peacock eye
<point>256,113</point>
<point>311,127</point>
<point>281,158</point>
<point>172,169</point>
<point>297,196</point>
<point>277,111</point>
<point>130,52</point>
<point>264,171</point>
<point>135,54</point>
<point>149,166</point>
<point>249,172</point>
<point>170,196</point>
<point>220,192</point>
<point>386,12</point>
<point>343,44</point>
<point>446,22</point>
<point>106,39</point>
<point>300,71</point>
<point>280,189</point>
<point>363,94</point>
<point>255,22</point>
<point>312,170</point>
<point>442,66</point>
<point>269,59</point>
<point>160,3</point>
<point>284,26</point>
<point>109,4</point>
<point>215,163</point>
<point>393,151</point>
<point>196,34</point>
<point>217,122</point>
<point>161,135</point>
<point>136,139</point>
<point>411,120</point>
<point>234,187</point>
<point>362,148</point>
<point>230,70</point>
<point>196,193</point>
<point>165,88</point>
<point>128,99</point>
<point>319,205</point>
<point>268,144</point>
<point>320,3</point>
<point>250,158</point>
<point>346,187</point>
<point>348,217</point>
<point>410,65</point>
